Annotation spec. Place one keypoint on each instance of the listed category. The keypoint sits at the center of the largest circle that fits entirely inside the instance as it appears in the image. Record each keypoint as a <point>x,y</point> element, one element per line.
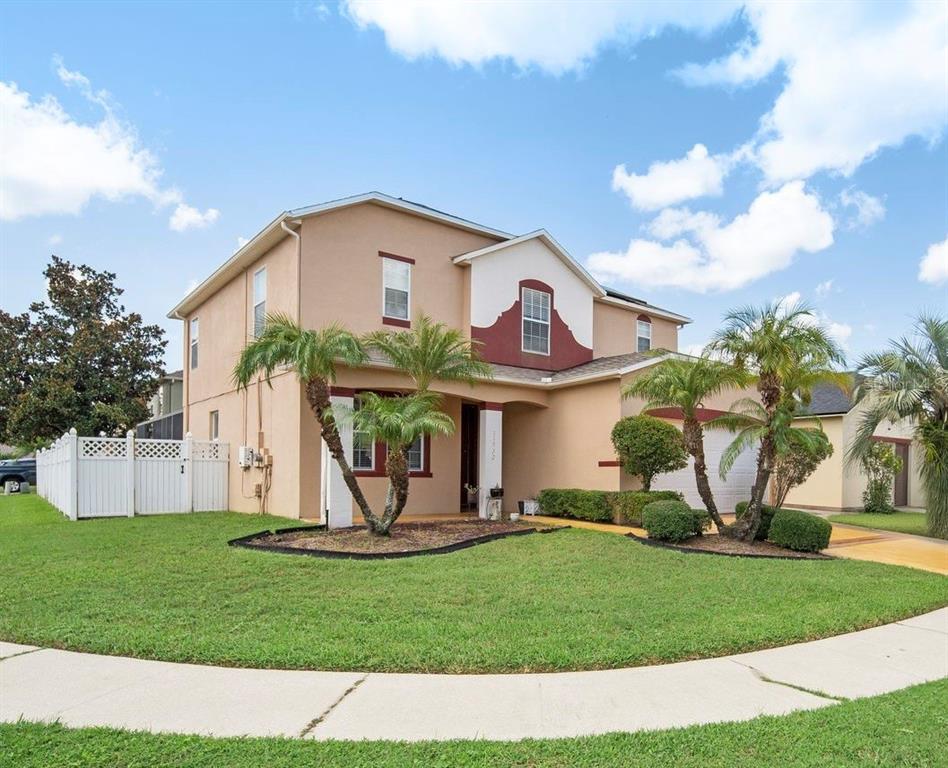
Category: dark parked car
<point>18,470</point>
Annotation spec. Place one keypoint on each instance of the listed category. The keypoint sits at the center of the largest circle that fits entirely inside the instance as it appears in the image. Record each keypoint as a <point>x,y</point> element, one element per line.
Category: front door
<point>900,494</point>
<point>470,424</point>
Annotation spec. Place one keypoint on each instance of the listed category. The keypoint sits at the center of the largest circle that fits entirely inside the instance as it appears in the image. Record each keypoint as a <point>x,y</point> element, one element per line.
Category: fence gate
<point>118,477</point>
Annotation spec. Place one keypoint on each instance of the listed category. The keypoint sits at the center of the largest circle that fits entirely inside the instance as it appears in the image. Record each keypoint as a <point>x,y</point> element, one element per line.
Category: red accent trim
<point>895,440</point>
<point>502,342</point>
<point>610,463</point>
<point>645,319</point>
<point>380,455</point>
<point>396,321</point>
<point>702,414</point>
<point>490,406</point>
<point>406,259</point>
<point>342,392</point>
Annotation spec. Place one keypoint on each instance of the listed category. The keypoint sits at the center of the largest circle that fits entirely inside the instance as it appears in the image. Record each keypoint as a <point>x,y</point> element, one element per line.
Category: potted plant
<point>471,495</point>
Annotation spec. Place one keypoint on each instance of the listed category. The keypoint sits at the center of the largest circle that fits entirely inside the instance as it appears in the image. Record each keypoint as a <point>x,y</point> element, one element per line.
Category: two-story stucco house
<point>561,346</point>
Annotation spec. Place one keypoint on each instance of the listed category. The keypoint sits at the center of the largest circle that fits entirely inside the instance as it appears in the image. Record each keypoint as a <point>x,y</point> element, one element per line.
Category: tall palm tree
<point>909,380</point>
<point>398,422</point>
<point>787,352</point>
<point>686,384</point>
<point>313,355</point>
<point>430,351</point>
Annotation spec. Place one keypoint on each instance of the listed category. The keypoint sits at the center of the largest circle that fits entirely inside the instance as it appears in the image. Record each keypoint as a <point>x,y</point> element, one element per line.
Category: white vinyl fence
<point>123,476</point>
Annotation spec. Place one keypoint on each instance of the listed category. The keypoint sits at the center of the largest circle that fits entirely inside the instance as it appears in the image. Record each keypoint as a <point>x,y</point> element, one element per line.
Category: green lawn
<point>900,522</point>
<point>906,728</point>
<point>169,587</point>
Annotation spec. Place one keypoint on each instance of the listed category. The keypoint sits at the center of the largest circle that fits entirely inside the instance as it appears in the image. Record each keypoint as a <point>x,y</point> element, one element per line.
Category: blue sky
<point>822,168</point>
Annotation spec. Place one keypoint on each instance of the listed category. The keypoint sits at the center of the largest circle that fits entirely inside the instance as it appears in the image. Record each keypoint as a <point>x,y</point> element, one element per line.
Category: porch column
<point>338,509</point>
<point>489,448</point>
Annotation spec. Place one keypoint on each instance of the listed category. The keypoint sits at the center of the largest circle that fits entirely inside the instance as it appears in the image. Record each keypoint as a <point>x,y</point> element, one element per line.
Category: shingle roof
<point>827,399</point>
<point>602,365</point>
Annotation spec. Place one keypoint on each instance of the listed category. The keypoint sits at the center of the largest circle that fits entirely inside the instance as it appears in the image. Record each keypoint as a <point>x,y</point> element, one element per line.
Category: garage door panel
<point>728,492</point>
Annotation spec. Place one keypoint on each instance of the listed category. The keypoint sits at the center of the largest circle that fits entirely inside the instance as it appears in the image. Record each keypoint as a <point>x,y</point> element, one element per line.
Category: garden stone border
<point>691,551</point>
<point>244,543</point>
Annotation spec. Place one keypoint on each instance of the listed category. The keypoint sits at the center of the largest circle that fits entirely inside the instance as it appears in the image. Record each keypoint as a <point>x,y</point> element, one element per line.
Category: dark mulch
<point>721,545</point>
<point>404,536</point>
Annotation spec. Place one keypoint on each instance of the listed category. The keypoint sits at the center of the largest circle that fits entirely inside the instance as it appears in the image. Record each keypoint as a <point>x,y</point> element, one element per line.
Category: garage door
<point>728,492</point>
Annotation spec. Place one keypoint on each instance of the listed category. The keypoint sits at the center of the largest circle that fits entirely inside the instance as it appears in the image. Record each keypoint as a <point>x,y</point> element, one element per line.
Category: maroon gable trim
<point>502,342</point>
<point>703,414</point>
<point>490,406</point>
<point>342,392</point>
<point>396,321</point>
<point>406,259</point>
<point>610,463</point>
<point>644,318</point>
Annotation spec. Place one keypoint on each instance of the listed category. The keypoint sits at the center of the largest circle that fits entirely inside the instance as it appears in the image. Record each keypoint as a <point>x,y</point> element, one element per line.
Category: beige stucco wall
<point>615,332</point>
<point>561,446</point>
<point>824,488</point>
<point>340,249</point>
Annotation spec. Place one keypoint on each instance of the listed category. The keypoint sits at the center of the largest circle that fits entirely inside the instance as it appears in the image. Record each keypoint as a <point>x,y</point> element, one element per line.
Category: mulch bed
<point>405,538</point>
<point>715,544</point>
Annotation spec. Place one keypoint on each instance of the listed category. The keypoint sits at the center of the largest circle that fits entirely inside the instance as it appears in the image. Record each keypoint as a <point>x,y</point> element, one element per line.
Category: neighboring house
<point>561,346</point>
<point>837,484</point>
<point>167,410</point>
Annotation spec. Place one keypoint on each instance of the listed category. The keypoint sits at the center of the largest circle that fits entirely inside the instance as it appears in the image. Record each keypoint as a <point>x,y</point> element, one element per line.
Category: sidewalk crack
<point>21,653</point>
<point>317,720</point>
<point>813,692</point>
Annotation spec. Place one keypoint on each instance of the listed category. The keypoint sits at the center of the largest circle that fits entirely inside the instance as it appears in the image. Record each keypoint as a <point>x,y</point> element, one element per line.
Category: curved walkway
<point>79,689</point>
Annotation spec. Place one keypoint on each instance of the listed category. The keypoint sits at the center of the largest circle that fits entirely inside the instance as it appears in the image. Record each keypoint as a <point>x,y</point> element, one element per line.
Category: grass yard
<point>906,728</point>
<point>900,522</point>
<point>168,587</point>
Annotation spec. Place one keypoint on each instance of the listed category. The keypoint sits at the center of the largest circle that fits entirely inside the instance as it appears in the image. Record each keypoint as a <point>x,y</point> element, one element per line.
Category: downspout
<point>299,263</point>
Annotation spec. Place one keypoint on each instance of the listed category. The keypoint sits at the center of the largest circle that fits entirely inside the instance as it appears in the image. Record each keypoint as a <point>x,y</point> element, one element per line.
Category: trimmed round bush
<point>799,531</point>
<point>672,521</point>
<point>766,516</point>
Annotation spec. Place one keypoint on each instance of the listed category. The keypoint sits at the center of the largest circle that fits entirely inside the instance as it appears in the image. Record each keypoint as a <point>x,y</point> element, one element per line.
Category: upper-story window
<point>259,301</point>
<point>644,334</point>
<point>396,288</point>
<point>213,426</point>
<point>536,321</point>
<point>194,342</point>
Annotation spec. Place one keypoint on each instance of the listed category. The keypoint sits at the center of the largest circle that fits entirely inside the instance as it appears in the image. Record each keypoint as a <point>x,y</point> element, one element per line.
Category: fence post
<point>130,473</point>
<point>188,473</point>
<point>72,474</point>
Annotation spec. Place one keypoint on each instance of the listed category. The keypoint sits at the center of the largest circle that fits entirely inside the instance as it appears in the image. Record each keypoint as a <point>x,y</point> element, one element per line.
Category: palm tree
<point>430,351</point>
<point>686,384</point>
<point>788,352</point>
<point>313,355</point>
<point>910,381</point>
<point>398,422</point>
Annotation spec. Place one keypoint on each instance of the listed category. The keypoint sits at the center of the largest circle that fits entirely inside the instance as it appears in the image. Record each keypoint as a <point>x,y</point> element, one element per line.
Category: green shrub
<point>672,521</point>
<point>881,465</point>
<point>575,503</point>
<point>647,446</point>
<point>627,506</point>
<point>800,531</point>
<point>766,516</point>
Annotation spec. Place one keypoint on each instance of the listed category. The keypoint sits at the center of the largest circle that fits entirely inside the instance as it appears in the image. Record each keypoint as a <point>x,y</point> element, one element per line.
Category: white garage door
<point>728,492</point>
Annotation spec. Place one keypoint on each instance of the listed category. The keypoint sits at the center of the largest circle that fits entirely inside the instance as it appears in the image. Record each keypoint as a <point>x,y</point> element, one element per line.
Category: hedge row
<point>624,507</point>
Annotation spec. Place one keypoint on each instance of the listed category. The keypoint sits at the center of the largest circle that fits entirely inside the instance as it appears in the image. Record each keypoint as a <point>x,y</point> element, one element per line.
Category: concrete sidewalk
<point>80,689</point>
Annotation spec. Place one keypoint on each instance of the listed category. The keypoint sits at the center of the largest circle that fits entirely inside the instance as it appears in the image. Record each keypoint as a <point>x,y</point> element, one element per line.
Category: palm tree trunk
<point>934,472</point>
<point>317,395</point>
<point>694,442</point>
<point>396,467</point>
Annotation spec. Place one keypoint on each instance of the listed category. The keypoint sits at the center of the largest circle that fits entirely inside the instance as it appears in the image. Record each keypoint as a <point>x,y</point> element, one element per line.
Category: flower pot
<point>514,517</point>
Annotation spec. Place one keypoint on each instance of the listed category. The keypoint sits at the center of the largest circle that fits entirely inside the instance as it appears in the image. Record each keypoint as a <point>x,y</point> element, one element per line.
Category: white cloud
<point>186,217</point>
<point>824,288</point>
<point>697,174</point>
<point>694,350</point>
<point>858,77</point>
<point>790,300</point>
<point>556,37</point>
<point>54,240</point>
<point>717,257</point>
<point>868,209</point>
<point>933,267</point>
<point>241,242</point>
<point>51,163</point>
<point>673,222</point>
<point>839,331</point>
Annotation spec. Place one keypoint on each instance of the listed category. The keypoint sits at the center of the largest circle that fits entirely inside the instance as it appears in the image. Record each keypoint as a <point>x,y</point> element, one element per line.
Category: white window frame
<point>407,265</point>
<point>214,425</point>
<point>547,322</point>
<point>257,302</point>
<point>421,456</point>
<point>639,335</point>
<point>194,329</point>
<point>355,431</point>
